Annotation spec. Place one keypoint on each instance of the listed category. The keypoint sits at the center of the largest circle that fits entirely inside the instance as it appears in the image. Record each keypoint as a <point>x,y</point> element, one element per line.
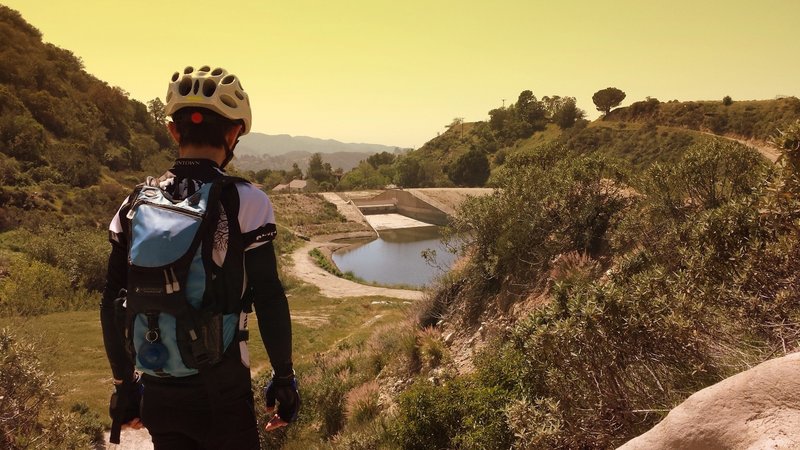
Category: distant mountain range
<point>266,144</point>
<point>258,151</point>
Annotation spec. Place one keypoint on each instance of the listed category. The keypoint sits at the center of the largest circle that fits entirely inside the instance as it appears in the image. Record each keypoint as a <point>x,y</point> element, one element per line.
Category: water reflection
<point>395,257</point>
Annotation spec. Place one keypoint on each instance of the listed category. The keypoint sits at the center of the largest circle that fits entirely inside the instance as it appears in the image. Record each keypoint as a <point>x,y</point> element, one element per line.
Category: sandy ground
<point>132,440</point>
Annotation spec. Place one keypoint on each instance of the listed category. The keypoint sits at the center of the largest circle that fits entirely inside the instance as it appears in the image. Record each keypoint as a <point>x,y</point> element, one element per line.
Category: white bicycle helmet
<point>215,89</point>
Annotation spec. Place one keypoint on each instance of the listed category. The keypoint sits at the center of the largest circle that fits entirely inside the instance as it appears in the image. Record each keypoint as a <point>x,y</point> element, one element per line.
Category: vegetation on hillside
<point>642,289</point>
<point>747,119</point>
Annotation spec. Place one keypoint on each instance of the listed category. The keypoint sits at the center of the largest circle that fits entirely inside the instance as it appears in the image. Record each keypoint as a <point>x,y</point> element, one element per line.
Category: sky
<point>398,72</point>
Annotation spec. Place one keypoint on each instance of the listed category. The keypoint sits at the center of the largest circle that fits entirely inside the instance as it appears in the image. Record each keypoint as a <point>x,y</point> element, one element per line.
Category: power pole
<point>504,103</point>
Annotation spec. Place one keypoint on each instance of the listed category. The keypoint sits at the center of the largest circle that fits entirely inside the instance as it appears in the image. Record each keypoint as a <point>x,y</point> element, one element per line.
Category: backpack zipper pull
<point>168,285</point>
<point>176,286</point>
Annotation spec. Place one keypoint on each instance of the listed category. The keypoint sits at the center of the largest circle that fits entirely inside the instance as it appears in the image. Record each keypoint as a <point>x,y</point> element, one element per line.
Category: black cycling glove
<point>283,389</point>
<point>124,406</point>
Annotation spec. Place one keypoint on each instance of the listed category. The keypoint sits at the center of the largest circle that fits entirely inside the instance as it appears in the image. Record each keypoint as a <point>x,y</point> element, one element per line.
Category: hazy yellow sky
<point>397,72</point>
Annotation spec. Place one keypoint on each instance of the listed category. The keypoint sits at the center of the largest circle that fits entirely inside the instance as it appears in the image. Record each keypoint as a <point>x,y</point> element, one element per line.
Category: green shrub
<point>457,414</point>
<point>605,352</point>
<point>720,171</point>
<point>372,436</point>
<point>29,415</point>
<point>33,288</point>
<point>549,202</point>
<point>81,253</point>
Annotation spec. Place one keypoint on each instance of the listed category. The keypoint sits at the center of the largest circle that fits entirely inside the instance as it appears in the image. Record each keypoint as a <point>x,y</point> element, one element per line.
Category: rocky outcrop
<point>755,409</point>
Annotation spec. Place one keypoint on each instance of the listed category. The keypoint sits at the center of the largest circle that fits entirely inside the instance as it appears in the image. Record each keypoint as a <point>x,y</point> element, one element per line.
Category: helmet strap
<point>228,153</point>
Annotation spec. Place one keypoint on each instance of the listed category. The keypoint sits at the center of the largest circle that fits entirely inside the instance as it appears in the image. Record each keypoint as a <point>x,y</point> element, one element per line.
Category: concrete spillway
<point>395,202</point>
<point>380,222</point>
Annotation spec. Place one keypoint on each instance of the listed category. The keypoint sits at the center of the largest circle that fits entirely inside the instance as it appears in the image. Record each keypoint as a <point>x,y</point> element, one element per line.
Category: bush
<point>82,254</point>
<point>549,202</point>
<point>29,415</point>
<point>22,137</point>
<point>33,288</point>
<point>362,404</point>
<point>603,353</point>
<point>458,414</point>
<point>74,164</point>
<point>720,171</point>
<point>470,169</point>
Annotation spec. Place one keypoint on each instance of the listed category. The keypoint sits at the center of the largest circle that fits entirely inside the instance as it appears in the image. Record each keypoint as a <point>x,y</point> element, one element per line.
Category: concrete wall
<point>406,204</point>
<point>383,208</point>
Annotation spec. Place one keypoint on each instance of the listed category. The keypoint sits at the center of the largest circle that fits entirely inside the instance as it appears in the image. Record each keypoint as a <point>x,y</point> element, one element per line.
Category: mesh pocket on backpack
<point>200,339</point>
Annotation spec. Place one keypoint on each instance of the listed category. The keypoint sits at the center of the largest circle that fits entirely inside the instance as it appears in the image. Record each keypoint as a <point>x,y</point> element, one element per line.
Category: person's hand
<point>124,408</point>
<point>283,390</point>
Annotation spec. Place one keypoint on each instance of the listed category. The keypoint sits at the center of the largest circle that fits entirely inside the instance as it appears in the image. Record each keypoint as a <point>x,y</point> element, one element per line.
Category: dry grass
<point>311,215</point>
<point>362,403</point>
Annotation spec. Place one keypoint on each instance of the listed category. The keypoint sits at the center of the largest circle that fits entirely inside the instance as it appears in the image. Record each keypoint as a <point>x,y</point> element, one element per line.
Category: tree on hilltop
<point>608,98</point>
<point>563,111</point>
<point>530,110</point>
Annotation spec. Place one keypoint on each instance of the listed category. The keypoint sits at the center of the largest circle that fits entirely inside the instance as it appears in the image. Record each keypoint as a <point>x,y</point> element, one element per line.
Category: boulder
<point>755,409</point>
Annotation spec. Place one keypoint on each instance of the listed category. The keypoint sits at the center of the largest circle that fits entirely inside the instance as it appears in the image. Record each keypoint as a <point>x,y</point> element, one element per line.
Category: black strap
<point>224,285</point>
<point>262,234</point>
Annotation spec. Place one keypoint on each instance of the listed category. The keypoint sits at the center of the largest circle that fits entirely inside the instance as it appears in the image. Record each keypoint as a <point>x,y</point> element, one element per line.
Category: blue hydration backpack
<point>182,310</point>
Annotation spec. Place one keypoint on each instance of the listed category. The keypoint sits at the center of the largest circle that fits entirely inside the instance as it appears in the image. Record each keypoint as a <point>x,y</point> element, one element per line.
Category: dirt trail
<point>766,150</point>
<point>132,440</point>
<point>332,286</point>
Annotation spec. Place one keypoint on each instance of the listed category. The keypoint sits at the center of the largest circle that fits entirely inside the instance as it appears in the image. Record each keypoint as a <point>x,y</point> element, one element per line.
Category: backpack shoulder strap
<point>125,209</point>
<point>225,283</point>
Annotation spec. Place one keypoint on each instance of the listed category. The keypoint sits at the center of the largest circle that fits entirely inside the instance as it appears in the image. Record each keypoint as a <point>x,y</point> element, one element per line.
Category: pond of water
<point>395,257</point>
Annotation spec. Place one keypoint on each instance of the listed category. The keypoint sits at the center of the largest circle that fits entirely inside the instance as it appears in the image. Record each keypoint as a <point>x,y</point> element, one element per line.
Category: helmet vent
<point>209,86</point>
<point>175,76</point>
<point>204,69</point>
<point>239,95</point>
<point>228,100</point>
<point>188,70</point>
<point>196,86</point>
<point>217,72</point>
<point>185,85</point>
<point>229,79</point>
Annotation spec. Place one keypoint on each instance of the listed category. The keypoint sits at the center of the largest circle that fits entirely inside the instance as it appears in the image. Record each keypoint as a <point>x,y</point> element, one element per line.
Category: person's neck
<point>205,152</point>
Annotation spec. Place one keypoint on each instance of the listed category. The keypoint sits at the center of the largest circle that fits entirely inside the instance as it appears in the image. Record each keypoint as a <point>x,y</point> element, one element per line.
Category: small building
<point>294,185</point>
<point>298,185</point>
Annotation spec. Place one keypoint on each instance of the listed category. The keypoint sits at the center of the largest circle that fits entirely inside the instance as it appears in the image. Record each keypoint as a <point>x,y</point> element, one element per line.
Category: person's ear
<point>233,135</point>
<point>173,131</point>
